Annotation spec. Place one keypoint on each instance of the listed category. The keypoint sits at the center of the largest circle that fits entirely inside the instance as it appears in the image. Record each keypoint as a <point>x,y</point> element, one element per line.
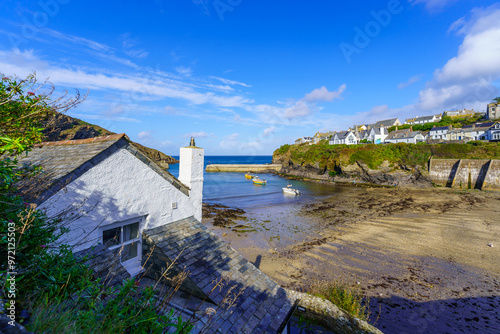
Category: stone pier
<point>271,168</point>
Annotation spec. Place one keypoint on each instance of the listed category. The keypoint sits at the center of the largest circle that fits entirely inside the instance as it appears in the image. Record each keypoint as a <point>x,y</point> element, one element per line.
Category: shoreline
<point>420,254</point>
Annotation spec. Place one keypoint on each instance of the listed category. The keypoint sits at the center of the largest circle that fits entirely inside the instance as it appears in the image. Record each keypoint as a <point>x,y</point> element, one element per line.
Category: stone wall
<point>243,168</point>
<point>465,173</point>
<point>492,177</point>
<point>330,315</point>
<point>470,174</point>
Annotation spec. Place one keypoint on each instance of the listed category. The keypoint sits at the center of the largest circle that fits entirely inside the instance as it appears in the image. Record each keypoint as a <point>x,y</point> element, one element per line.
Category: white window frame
<point>134,265</point>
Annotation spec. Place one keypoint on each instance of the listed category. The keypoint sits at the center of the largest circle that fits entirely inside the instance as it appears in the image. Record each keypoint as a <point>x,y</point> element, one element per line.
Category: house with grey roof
<point>147,221</point>
<point>459,113</point>
<point>408,137</point>
<point>440,132</point>
<point>303,140</point>
<point>387,123</point>
<point>493,132</point>
<point>377,135</point>
<point>344,137</point>
<point>423,120</point>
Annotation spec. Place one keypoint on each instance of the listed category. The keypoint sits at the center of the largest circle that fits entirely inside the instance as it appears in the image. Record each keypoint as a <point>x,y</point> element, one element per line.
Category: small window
<point>125,241</point>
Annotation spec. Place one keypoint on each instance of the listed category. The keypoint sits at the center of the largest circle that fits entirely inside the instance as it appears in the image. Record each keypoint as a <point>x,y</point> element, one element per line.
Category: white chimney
<point>191,168</point>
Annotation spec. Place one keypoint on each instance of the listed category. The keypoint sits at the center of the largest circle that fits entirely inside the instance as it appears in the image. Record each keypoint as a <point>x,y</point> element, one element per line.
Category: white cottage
<point>344,137</point>
<point>114,190</point>
<point>377,135</point>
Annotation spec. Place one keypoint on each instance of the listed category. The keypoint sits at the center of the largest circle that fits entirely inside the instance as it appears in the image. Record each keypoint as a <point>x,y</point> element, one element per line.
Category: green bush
<point>347,297</point>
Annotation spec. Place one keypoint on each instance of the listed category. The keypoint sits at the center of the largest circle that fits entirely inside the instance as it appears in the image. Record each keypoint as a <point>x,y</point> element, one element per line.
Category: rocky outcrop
<point>358,172</point>
<point>63,127</point>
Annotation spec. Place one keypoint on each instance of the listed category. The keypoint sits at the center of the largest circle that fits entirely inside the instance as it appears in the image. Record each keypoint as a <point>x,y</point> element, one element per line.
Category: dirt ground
<point>428,258</point>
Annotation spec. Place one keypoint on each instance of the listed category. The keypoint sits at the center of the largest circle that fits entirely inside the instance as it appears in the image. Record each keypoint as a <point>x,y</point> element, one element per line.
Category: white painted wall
<point>191,168</point>
<point>120,188</point>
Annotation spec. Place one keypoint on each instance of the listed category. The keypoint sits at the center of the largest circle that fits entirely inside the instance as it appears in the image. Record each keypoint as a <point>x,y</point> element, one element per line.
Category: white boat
<point>289,190</point>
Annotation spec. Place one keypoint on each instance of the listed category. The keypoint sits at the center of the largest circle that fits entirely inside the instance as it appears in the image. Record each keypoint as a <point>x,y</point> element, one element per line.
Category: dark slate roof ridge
<point>57,184</point>
<point>440,127</point>
<point>114,137</point>
<point>212,259</point>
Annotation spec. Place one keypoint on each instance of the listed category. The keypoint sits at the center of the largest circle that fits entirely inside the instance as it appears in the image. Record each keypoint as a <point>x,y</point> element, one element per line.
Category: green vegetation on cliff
<point>409,155</point>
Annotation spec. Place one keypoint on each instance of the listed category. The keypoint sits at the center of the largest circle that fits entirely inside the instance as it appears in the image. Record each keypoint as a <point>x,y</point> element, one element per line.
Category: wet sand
<point>422,255</point>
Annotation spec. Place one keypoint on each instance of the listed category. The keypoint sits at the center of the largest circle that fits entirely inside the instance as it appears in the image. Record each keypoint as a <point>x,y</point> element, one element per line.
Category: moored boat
<point>289,190</point>
<point>249,175</point>
<point>258,181</point>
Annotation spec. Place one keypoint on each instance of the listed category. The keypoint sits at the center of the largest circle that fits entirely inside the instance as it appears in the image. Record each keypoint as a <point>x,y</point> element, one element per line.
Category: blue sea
<point>234,190</point>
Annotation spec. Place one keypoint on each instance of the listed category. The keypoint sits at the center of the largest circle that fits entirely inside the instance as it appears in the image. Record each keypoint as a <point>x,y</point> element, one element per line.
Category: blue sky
<point>245,77</point>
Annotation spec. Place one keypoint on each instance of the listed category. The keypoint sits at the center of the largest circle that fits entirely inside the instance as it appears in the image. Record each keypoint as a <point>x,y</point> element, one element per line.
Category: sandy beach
<point>428,258</point>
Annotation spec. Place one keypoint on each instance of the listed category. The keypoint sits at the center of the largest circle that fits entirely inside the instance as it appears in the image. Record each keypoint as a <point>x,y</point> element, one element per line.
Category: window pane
<point>130,231</point>
<point>129,251</point>
<point>111,237</point>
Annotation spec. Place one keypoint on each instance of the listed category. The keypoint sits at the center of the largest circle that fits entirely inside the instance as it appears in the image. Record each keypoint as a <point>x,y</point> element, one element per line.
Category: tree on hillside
<point>24,105</point>
<point>496,100</point>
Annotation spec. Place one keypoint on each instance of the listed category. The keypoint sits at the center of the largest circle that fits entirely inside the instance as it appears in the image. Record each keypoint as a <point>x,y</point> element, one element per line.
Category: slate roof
<point>263,307</point>
<point>343,134</point>
<point>406,134</point>
<point>64,161</point>
<point>437,128</point>
<point>105,265</point>
<point>479,125</point>
<point>385,123</point>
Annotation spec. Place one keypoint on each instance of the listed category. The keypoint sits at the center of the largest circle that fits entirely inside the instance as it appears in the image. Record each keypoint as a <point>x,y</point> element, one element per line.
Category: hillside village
<point>459,126</point>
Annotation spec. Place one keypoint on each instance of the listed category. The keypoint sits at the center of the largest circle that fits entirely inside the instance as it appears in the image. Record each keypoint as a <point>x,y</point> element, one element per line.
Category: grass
<point>334,157</point>
<point>347,297</point>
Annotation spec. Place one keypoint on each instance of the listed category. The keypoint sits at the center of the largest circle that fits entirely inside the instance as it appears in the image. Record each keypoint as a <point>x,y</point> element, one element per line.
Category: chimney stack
<point>191,166</point>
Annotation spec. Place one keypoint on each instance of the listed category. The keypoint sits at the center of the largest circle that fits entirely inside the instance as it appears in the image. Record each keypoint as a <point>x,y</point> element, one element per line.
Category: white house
<point>424,120</point>
<point>493,132</point>
<point>409,137</point>
<point>115,190</point>
<point>304,140</point>
<point>477,131</point>
<point>440,132</point>
<point>344,137</point>
<point>377,135</point>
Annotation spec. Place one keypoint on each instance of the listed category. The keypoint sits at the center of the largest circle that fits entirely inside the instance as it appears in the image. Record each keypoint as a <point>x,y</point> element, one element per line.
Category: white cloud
<point>411,81</point>
<point>230,82</point>
<point>230,141</point>
<point>433,5</point>
<point>268,131</point>
<point>183,70</point>
<point>201,134</point>
<point>322,94</point>
<point>233,137</point>
<point>23,63</point>
<point>297,110</point>
<point>144,135</point>
<point>465,81</point>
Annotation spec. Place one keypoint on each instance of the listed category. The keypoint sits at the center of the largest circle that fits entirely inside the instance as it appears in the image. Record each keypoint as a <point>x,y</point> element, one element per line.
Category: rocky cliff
<point>358,172</point>
<point>63,127</point>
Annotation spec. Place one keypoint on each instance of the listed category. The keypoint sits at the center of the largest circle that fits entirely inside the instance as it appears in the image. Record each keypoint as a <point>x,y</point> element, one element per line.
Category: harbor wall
<point>243,168</point>
<point>465,173</point>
